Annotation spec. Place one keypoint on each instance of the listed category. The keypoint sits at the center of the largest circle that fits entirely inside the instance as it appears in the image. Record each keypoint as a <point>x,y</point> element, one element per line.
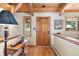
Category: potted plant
<point>23,37</point>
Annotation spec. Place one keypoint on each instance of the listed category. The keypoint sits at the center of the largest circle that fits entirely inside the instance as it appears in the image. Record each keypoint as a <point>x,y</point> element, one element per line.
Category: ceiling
<point>40,7</point>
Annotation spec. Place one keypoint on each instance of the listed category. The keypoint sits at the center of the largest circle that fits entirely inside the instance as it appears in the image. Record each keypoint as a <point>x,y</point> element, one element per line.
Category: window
<point>72,23</point>
<point>27,26</point>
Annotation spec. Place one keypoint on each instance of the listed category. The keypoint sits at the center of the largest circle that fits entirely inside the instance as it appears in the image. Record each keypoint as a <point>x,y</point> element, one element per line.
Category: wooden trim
<point>72,40</point>
<point>23,25</point>
<point>63,8</point>
<point>11,37</point>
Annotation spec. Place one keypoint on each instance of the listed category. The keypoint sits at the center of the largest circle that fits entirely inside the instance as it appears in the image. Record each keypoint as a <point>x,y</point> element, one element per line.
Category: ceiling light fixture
<point>43,6</point>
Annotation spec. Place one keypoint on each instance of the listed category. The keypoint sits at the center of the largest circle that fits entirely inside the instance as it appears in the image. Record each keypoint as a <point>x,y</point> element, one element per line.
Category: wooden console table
<point>13,49</point>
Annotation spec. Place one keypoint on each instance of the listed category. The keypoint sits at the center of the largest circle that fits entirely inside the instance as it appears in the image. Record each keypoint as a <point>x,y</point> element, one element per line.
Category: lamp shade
<point>6,17</point>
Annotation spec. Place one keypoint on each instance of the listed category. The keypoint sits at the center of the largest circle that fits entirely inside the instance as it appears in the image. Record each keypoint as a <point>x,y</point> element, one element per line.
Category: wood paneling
<point>47,5</point>
<point>46,9</point>
<point>42,7</point>
<point>39,51</point>
<point>37,7</point>
<point>42,31</point>
<point>24,8</point>
<point>5,6</point>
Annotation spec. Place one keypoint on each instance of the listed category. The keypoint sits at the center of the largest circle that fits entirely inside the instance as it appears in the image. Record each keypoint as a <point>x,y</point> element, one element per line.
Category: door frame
<point>49,28</point>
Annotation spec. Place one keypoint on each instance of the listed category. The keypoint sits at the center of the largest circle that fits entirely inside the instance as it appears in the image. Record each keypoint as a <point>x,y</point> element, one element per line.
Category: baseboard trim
<point>57,53</point>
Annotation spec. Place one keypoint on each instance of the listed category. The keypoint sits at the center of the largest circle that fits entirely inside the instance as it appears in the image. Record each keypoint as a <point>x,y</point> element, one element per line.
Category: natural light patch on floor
<point>39,51</point>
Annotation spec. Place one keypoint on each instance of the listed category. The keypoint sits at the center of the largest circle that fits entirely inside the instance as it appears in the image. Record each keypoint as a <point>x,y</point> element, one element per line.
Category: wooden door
<point>43,31</point>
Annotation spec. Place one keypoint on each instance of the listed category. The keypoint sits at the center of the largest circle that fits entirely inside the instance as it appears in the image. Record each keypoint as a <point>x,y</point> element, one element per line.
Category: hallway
<point>39,51</point>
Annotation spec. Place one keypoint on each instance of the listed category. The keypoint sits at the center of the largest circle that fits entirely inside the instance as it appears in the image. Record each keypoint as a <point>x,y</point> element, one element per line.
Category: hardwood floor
<point>39,51</point>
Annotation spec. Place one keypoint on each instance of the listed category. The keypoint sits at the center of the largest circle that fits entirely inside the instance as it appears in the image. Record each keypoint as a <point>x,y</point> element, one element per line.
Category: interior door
<point>43,31</point>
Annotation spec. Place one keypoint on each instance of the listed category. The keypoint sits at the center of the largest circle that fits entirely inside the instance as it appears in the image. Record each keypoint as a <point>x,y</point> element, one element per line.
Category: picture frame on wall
<point>57,24</point>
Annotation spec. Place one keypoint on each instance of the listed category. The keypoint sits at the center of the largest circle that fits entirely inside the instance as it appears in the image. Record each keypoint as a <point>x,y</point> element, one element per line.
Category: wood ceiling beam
<point>71,11</point>
<point>12,9</point>
<point>18,7</point>
<point>63,8</point>
<point>31,8</point>
<point>5,6</point>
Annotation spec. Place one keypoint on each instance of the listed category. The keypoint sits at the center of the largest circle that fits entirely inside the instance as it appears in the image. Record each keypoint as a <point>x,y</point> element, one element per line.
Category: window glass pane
<point>27,29</point>
<point>71,25</point>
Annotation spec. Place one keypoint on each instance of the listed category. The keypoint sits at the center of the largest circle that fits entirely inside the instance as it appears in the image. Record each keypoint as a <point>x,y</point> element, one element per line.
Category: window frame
<point>77,21</point>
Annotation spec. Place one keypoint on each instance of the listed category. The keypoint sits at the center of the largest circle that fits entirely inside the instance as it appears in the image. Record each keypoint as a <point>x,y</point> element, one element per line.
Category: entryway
<point>43,41</point>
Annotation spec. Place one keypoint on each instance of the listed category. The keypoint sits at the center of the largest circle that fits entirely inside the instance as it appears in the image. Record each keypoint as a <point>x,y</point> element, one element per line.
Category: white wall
<point>53,16</point>
<point>32,41</point>
<point>19,17</point>
<point>19,29</point>
<point>65,48</point>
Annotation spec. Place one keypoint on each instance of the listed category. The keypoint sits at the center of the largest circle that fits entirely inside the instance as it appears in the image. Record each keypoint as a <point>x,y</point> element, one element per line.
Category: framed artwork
<point>58,24</point>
